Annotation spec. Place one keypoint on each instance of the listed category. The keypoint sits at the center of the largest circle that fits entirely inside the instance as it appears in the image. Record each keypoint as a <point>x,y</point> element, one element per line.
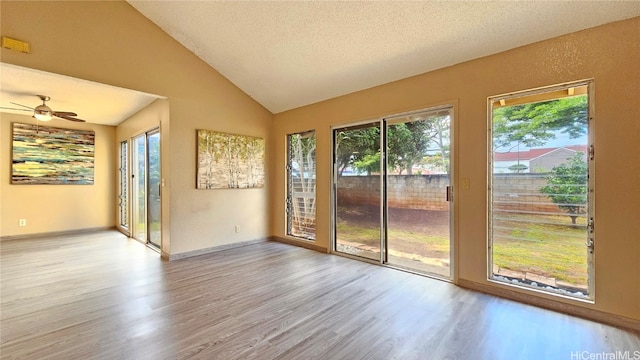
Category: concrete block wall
<point>425,192</point>
<point>521,192</point>
<point>428,192</point>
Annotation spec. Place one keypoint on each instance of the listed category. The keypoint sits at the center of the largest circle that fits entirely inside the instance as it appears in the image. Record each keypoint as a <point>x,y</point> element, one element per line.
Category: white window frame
<point>590,241</point>
<point>294,197</point>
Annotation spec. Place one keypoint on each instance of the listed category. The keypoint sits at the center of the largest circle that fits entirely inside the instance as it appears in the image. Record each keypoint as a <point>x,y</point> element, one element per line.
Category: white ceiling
<point>96,103</point>
<point>286,54</point>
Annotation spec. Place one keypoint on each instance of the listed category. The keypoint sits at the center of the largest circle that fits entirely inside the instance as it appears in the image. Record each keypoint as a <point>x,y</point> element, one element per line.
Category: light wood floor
<point>103,296</point>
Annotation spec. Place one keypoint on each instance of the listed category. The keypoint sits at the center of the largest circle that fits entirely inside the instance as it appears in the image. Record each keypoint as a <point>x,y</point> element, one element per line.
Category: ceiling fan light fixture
<point>43,113</point>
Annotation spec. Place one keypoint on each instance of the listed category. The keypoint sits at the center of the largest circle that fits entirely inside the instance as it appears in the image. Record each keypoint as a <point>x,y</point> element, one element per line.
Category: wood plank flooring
<point>103,296</point>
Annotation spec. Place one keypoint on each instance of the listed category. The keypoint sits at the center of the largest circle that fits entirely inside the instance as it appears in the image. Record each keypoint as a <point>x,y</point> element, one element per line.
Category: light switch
<point>466,184</point>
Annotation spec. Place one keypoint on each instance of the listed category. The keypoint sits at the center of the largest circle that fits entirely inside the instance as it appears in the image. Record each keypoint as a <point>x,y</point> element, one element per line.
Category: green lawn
<point>555,251</point>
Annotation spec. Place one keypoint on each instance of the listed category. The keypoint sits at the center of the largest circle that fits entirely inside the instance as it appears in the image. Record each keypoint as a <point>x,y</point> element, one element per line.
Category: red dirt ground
<point>414,220</point>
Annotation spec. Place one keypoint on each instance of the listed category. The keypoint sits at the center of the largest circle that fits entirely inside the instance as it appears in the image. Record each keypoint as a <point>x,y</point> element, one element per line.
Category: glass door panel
<point>357,191</point>
<point>154,184</point>
<point>138,177</point>
<point>417,182</point>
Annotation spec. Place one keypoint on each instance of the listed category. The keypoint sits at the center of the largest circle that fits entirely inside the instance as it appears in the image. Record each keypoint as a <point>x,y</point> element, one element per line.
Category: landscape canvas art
<point>228,161</point>
<point>52,156</point>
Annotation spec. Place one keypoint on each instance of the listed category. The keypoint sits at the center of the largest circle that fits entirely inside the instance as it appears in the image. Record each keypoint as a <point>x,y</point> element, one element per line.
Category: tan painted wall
<point>111,43</point>
<point>609,54</point>
<point>53,208</point>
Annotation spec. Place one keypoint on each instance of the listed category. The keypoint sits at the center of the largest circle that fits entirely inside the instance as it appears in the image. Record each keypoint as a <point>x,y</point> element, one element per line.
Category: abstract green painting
<point>50,155</point>
<point>228,161</point>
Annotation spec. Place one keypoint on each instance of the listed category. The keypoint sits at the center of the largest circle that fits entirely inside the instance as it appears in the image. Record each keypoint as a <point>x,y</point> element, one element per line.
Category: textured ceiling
<point>93,102</point>
<point>289,54</point>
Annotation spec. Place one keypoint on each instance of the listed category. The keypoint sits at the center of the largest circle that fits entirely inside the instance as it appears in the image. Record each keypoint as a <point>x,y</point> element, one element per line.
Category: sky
<point>562,139</point>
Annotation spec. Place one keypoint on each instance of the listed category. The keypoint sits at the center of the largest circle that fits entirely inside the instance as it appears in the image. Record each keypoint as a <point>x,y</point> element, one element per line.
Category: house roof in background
<point>286,54</point>
<point>534,153</point>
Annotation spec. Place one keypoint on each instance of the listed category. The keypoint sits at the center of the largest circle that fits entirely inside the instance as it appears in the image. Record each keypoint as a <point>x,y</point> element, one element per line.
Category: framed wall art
<point>52,156</point>
<point>229,161</point>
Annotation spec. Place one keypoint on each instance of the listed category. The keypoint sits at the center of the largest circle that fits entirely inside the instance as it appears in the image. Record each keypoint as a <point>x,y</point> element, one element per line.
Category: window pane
<point>539,186</point>
<point>301,199</point>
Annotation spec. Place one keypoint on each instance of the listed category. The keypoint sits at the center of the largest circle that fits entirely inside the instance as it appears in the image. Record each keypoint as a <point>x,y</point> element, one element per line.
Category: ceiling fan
<point>44,113</point>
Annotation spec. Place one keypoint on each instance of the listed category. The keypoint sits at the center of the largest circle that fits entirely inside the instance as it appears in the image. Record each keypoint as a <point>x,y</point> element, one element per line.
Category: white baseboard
<point>188,254</point>
<point>579,311</point>
<point>57,233</point>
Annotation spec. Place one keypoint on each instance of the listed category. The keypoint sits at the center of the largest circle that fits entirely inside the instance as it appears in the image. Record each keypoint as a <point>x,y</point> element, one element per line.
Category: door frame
<point>145,135</point>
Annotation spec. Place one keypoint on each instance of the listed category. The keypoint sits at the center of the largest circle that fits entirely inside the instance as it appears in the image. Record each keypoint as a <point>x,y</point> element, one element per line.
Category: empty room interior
<point>319,180</point>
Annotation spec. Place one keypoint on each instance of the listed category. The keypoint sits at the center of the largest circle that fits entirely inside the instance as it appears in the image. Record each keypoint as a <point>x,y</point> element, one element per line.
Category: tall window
<point>541,195</point>
<point>301,185</point>
<point>123,189</point>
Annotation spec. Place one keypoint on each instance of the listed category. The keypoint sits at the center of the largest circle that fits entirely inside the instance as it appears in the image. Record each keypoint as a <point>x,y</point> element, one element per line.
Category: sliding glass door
<point>392,190</point>
<point>146,188</point>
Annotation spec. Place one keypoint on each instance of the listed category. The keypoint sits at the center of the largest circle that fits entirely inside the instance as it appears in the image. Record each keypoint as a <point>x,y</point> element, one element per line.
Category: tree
<point>437,162</point>
<point>353,146</point>
<point>534,124</point>
<point>518,168</point>
<point>408,144</point>
<point>567,186</point>
<point>302,152</point>
<point>440,141</point>
<point>369,163</point>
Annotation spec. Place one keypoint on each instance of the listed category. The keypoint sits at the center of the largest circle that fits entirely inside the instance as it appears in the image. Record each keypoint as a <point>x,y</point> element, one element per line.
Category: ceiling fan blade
<point>66,117</point>
<point>28,107</point>
<point>64,113</point>
<point>8,108</point>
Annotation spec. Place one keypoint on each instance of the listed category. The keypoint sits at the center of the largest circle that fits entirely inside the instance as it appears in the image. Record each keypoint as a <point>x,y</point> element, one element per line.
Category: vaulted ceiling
<point>286,54</point>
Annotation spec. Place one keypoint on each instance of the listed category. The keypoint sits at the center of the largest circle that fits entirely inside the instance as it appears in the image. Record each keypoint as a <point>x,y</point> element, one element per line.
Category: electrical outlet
<point>237,228</point>
<point>22,222</point>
